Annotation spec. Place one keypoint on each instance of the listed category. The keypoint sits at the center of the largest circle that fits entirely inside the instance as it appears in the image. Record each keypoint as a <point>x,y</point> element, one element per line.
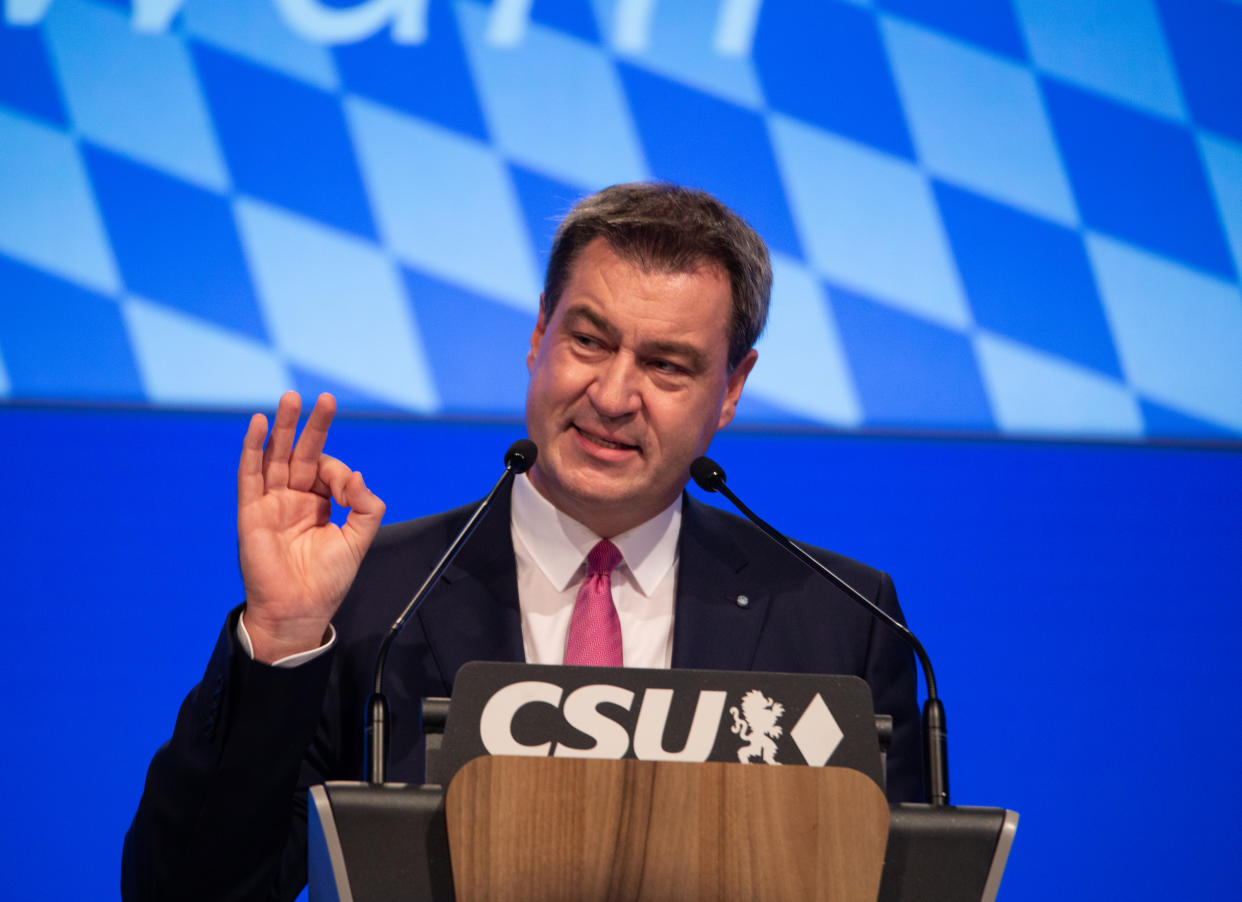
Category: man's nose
<point>615,390</point>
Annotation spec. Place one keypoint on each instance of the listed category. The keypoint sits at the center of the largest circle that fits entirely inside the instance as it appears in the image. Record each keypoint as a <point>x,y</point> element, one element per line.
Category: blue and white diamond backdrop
<point>1013,217</point>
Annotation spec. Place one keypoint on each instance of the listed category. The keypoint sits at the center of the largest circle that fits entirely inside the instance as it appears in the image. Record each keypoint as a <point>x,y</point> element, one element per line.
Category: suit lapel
<point>711,628</point>
<point>473,615</point>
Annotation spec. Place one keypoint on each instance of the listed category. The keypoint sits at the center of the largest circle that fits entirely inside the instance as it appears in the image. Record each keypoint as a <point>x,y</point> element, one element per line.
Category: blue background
<point>1006,325</point>
<point>1080,602</point>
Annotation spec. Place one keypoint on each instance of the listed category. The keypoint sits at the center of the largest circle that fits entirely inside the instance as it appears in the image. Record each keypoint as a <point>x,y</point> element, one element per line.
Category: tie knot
<point>603,558</point>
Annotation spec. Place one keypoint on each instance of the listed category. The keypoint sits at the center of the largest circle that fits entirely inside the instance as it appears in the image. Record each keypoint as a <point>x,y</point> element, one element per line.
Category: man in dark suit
<point>653,300</point>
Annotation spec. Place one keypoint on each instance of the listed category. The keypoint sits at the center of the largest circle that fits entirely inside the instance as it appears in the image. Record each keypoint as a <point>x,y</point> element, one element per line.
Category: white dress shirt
<point>550,550</point>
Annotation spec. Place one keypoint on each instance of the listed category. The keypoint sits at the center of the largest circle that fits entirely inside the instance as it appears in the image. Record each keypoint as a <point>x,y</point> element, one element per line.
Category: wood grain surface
<point>527,829</point>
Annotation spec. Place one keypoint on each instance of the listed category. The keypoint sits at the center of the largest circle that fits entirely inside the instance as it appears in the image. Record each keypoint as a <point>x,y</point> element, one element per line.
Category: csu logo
<point>526,717</point>
<point>610,739</point>
<point>678,714</point>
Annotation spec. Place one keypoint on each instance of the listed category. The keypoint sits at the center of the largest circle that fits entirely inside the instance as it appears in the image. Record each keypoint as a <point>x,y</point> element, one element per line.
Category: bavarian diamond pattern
<point>252,29</point>
<point>978,120</point>
<point>28,80</point>
<point>1205,37</point>
<point>286,141</point>
<point>1040,394</point>
<point>672,120</point>
<point>49,217</point>
<point>81,330</point>
<point>1021,218</point>
<point>846,200</point>
<point>182,358</point>
<point>175,243</point>
<point>982,23</point>
<point>1115,47</point>
<point>893,356</point>
<point>1012,263</point>
<point>1138,177</point>
<point>685,42</point>
<point>136,95</point>
<point>797,59</point>
<point>310,278</point>
<point>805,369</point>
<point>597,144</point>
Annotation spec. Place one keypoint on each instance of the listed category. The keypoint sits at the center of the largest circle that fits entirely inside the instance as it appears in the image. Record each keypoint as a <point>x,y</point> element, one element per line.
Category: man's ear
<point>536,337</point>
<point>733,387</point>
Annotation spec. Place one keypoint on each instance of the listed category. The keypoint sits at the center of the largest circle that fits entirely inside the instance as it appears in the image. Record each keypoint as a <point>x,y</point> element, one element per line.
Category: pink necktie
<point>594,630</point>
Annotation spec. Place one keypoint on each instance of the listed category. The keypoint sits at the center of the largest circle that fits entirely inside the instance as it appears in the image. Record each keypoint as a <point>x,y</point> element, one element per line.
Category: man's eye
<point>666,366</point>
<point>585,341</point>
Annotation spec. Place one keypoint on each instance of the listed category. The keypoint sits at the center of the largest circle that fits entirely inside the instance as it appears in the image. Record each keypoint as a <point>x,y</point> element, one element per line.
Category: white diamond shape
<point>816,734</point>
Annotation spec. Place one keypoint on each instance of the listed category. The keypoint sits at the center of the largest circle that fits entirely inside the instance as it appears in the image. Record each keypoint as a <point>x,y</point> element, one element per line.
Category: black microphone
<point>518,459</point>
<point>711,477</point>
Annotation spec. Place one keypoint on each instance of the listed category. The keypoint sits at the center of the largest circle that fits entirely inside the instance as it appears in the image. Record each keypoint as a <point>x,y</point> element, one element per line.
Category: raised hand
<point>296,564</point>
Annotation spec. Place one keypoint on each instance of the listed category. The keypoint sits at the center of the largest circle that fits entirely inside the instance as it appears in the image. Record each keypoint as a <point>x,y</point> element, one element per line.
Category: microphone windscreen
<point>708,474</point>
<point>521,455</point>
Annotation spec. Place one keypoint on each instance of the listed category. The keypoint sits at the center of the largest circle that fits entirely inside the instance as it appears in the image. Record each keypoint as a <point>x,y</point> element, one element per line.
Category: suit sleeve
<point>223,811</point>
<point>890,671</point>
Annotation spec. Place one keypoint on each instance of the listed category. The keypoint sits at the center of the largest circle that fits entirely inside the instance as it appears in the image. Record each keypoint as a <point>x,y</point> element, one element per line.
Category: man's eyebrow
<point>693,357</point>
<point>582,312</point>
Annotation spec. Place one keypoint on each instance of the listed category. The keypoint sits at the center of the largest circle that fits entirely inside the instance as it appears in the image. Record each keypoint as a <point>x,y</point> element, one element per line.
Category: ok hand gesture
<point>296,564</point>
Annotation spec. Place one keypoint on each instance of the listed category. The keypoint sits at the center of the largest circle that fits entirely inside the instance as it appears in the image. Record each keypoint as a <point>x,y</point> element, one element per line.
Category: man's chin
<point>594,491</point>
<point>600,492</point>
<point>581,482</point>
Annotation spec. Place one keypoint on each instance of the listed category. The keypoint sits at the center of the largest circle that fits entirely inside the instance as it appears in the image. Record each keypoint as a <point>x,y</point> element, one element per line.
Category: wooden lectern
<point>570,819</point>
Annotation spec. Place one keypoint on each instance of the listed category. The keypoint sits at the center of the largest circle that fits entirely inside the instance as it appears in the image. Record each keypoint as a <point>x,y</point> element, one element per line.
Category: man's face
<point>629,381</point>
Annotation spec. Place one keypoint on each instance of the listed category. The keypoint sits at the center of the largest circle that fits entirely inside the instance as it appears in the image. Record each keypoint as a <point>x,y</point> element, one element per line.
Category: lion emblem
<point>756,726</point>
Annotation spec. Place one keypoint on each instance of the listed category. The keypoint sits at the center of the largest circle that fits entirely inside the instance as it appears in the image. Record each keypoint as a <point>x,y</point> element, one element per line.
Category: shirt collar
<point>559,544</point>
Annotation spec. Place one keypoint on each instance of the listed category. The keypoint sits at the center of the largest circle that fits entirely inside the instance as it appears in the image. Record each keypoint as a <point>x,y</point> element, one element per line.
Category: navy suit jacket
<point>223,813</point>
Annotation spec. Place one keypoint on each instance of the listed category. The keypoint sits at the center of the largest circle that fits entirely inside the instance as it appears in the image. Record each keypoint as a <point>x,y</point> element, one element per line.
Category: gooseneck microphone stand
<point>518,459</point>
<point>711,477</point>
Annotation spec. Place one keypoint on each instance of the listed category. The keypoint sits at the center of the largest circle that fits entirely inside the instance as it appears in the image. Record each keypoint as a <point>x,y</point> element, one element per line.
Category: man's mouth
<point>597,439</point>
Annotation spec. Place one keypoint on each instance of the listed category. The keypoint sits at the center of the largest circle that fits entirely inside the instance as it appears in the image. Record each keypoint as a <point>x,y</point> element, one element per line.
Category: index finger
<point>250,467</point>
<point>304,463</point>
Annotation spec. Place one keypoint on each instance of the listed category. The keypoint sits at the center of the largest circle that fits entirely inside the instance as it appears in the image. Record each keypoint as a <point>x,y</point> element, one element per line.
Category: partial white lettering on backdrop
<point>733,33</point>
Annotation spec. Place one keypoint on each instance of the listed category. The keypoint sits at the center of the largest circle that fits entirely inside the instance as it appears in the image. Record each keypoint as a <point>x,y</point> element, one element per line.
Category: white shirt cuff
<point>243,639</point>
